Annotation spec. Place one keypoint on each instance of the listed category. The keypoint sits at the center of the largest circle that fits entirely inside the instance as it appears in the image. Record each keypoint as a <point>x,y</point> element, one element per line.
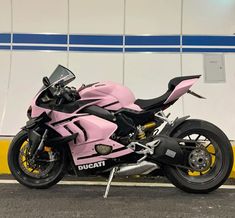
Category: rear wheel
<point>45,171</point>
<point>207,164</point>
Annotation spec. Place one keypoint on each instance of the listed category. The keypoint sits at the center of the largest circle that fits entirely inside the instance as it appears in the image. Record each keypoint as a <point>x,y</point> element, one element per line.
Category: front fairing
<point>61,75</point>
<point>41,119</point>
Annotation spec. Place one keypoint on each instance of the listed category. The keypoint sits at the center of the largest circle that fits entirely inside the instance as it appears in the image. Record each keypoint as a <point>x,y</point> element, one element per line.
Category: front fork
<point>39,147</point>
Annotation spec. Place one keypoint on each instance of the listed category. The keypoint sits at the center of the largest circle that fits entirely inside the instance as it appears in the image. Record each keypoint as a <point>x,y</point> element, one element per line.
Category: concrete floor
<point>87,201</point>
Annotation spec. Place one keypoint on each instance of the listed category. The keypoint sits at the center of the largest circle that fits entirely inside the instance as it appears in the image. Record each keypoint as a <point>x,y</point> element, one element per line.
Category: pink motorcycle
<point>101,129</point>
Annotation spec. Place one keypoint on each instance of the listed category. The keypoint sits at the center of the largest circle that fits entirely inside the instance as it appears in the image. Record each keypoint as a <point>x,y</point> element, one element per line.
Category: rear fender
<point>180,90</point>
<point>169,129</point>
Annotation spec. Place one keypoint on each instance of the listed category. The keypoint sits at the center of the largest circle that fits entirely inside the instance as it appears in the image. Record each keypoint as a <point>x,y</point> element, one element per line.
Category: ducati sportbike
<point>101,129</point>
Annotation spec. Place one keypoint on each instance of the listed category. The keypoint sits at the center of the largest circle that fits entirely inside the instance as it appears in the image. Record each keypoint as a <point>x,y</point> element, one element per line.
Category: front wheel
<point>207,164</point>
<point>45,171</point>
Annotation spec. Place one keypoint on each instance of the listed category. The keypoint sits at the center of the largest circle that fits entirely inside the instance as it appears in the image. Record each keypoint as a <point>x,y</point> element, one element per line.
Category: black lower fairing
<point>37,121</point>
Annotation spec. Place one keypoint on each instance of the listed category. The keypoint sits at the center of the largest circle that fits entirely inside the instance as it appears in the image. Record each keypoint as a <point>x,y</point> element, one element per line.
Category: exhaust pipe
<point>141,168</point>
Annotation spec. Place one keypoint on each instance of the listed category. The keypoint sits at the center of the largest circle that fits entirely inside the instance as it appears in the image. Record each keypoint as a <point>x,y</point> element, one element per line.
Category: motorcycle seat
<point>158,103</point>
<point>148,104</point>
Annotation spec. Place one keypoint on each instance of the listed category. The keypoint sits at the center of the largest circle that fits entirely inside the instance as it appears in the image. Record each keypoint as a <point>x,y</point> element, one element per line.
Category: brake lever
<point>59,101</point>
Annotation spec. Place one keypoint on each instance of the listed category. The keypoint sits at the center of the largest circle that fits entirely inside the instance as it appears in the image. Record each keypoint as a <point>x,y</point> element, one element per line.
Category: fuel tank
<point>112,96</point>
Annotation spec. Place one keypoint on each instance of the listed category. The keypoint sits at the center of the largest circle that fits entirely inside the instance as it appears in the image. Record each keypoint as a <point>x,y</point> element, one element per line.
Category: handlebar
<point>63,94</point>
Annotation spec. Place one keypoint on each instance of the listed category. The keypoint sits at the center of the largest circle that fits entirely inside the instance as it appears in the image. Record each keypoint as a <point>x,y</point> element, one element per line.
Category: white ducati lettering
<point>80,167</point>
<point>91,165</point>
<point>102,163</point>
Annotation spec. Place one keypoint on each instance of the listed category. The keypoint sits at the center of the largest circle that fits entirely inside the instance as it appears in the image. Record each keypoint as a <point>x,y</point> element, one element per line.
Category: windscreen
<point>62,75</point>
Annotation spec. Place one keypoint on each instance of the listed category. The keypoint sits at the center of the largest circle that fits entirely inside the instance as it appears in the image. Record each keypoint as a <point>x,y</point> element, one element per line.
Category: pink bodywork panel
<point>98,131</point>
<point>180,89</point>
<point>88,149</point>
<point>108,93</point>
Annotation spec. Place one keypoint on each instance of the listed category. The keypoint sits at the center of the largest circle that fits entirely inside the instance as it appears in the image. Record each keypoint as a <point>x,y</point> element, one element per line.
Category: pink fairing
<point>97,130</point>
<point>110,95</point>
<point>180,90</point>
<point>113,96</point>
<point>92,130</point>
<point>87,150</point>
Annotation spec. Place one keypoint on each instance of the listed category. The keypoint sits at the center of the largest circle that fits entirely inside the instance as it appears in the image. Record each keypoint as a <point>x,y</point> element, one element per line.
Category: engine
<point>129,130</point>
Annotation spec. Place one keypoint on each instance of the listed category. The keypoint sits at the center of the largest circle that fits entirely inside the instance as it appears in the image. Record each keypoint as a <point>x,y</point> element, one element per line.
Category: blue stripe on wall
<point>95,40</point>
<point>152,40</point>
<point>5,47</point>
<point>222,50</point>
<point>40,38</point>
<point>152,49</point>
<point>209,40</point>
<point>5,38</point>
<point>96,49</point>
<point>136,41</point>
<point>39,48</point>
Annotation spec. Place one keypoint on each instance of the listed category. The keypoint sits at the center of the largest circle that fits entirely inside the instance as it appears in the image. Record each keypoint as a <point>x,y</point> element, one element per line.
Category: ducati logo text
<point>91,165</point>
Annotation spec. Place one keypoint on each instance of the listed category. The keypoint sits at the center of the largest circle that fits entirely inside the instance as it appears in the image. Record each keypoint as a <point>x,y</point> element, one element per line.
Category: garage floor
<point>87,201</point>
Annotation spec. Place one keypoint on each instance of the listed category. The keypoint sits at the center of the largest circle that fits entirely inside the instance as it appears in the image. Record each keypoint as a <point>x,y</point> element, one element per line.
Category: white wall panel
<point>153,17</point>
<point>218,107</point>
<point>91,67</point>
<point>40,16</point>
<point>5,16</point>
<point>96,17</point>
<point>147,75</point>
<point>209,17</point>
<point>4,74</point>
<point>28,68</point>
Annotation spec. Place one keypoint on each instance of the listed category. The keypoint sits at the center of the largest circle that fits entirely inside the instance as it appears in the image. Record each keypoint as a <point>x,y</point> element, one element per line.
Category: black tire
<point>205,183</point>
<point>53,177</point>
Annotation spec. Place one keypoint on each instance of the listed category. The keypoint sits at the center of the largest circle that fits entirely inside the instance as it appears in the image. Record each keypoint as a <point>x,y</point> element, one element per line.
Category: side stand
<point>112,172</point>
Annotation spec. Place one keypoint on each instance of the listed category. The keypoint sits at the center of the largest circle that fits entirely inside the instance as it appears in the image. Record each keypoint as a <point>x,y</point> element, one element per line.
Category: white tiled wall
<point>147,74</point>
<point>28,69</point>
<point>157,17</point>
<point>93,67</point>
<point>96,17</point>
<point>105,17</point>
<point>209,17</point>
<point>40,16</point>
<point>218,107</point>
<point>5,16</point>
<point>5,70</point>
<point>5,27</point>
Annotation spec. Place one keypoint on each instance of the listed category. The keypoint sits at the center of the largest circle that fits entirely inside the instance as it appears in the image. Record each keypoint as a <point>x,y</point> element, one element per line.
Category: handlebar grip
<point>67,97</point>
<point>59,101</point>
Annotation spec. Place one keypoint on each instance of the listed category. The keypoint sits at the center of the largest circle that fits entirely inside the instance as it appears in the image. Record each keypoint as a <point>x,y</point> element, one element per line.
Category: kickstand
<point>112,172</point>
